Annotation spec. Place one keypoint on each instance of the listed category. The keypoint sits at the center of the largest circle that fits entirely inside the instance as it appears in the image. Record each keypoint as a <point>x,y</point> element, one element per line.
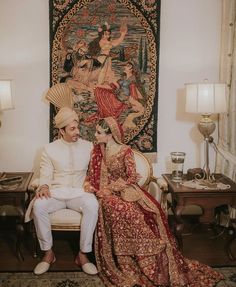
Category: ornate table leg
<point>178,224</point>
<point>35,241</point>
<point>228,244</point>
<point>20,233</point>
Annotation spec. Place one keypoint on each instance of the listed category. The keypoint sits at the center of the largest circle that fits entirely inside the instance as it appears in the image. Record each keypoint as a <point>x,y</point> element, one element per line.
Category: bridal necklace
<point>112,148</point>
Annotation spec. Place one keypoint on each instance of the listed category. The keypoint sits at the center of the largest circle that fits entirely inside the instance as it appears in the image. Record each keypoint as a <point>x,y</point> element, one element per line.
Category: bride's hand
<point>103,193</point>
<point>89,188</point>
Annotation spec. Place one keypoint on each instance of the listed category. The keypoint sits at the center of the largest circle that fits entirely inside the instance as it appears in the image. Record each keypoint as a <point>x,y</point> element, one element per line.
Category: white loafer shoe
<point>89,268</point>
<point>42,267</point>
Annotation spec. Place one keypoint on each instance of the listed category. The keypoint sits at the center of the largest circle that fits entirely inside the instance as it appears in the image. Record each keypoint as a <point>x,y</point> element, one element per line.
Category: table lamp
<point>206,99</point>
<point>6,101</point>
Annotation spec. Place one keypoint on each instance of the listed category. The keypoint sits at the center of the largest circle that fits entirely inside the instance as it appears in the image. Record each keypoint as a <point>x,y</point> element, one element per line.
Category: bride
<point>133,242</point>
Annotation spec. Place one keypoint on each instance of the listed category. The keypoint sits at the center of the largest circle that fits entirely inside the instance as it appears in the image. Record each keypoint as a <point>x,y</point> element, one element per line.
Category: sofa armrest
<point>155,190</point>
<point>34,184</point>
<point>158,189</point>
<point>162,183</point>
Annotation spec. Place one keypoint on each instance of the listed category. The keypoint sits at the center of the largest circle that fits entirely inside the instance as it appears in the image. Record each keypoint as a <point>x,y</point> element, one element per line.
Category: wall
<point>189,52</point>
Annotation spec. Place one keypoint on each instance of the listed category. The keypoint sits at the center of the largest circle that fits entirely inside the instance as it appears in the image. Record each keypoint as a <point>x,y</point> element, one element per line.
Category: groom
<point>63,167</point>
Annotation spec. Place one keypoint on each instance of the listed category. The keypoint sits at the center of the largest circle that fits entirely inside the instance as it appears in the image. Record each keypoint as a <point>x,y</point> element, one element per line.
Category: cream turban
<point>65,116</point>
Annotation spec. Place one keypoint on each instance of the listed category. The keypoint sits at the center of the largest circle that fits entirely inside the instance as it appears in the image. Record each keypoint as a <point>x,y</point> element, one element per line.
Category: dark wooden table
<point>207,199</point>
<point>14,193</point>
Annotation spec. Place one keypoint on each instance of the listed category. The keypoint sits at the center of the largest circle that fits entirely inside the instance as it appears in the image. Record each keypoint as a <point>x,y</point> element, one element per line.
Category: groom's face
<point>71,132</point>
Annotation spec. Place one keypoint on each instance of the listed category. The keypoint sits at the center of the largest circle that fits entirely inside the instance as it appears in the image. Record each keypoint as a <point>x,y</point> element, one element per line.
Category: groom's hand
<point>43,192</point>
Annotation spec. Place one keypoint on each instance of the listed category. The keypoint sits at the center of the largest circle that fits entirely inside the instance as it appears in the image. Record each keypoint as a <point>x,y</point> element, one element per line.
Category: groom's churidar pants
<point>86,203</point>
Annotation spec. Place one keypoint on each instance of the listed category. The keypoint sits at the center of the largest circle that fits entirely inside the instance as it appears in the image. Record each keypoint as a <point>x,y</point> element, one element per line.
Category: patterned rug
<point>80,279</point>
<point>49,279</point>
<point>230,277</point>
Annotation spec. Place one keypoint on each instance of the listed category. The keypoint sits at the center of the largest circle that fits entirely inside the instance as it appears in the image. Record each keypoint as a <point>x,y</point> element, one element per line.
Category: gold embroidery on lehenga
<point>133,244</point>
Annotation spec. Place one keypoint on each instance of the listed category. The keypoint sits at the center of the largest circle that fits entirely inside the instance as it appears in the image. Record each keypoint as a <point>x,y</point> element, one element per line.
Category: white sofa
<point>69,220</point>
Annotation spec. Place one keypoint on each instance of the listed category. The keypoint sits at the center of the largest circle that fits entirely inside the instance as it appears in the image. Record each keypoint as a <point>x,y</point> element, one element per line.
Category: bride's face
<point>101,135</point>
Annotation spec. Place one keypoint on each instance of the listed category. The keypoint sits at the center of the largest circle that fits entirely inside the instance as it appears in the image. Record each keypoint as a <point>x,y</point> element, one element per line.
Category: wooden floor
<point>198,240</point>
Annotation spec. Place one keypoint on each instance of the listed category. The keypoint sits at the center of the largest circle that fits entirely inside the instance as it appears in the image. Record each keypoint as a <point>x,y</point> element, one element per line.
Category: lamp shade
<point>6,102</point>
<point>206,98</point>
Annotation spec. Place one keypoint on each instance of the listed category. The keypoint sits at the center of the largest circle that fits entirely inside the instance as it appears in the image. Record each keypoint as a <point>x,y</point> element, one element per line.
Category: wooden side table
<point>207,199</point>
<point>13,192</point>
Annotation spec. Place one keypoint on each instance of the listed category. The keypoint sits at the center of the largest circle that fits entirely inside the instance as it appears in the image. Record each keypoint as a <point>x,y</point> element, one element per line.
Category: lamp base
<point>206,180</point>
<point>206,126</point>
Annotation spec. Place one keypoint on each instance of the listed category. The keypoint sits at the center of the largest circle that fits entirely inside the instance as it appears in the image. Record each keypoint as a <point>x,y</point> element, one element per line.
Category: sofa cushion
<point>65,217</point>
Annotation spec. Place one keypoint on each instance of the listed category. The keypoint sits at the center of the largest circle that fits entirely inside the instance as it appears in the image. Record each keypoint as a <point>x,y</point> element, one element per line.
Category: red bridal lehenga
<point>133,243</point>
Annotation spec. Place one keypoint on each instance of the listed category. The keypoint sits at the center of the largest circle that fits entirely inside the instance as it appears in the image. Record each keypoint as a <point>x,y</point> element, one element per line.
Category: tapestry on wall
<point>107,52</point>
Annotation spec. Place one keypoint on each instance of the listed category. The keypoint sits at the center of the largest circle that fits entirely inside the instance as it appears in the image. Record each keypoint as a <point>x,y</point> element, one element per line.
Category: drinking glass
<point>177,165</point>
